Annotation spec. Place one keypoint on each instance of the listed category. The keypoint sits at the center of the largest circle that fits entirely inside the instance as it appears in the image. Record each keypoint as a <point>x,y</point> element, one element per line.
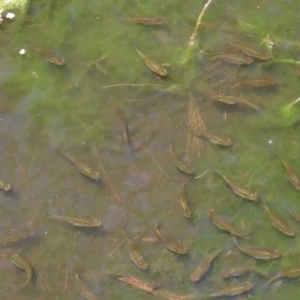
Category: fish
<point>234,58</point>
<point>82,168</point>
<point>78,221</point>
<point>258,253</point>
<point>240,270</point>
<point>290,272</point>
<point>204,266</point>
<point>223,224</point>
<point>14,237</point>
<point>5,186</point>
<point>278,223</point>
<point>171,244</point>
<point>293,214</point>
<point>20,262</point>
<point>257,82</point>
<point>239,189</point>
<point>153,66</point>
<point>150,21</point>
<point>250,51</point>
<point>186,211</point>
<point>123,126</point>
<point>231,100</point>
<point>185,168</point>
<point>212,137</point>
<point>231,289</point>
<point>84,290</point>
<point>51,57</point>
<point>136,255</point>
<point>291,173</point>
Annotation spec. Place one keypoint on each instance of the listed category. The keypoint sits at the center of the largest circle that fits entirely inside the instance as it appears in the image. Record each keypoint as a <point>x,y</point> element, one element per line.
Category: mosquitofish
<point>50,56</point>
<point>223,224</point>
<point>123,126</point>
<point>171,244</point>
<point>290,272</point>
<point>291,173</point>
<point>239,189</point>
<point>150,21</point>
<point>84,290</point>
<point>234,58</point>
<point>258,253</point>
<point>5,186</point>
<point>241,270</point>
<point>212,137</point>
<point>257,82</point>
<point>153,66</point>
<point>20,262</point>
<point>249,51</point>
<point>204,266</point>
<point>294,215</point>
<point>231,100</point>
<point>136,255</point>
<point>78,221</point>
<point>278,223</point>
<point>14,237</point>
<point>231,290</point>
<point>186,211</point>
<point>82,168</point>
<point>185,168</point>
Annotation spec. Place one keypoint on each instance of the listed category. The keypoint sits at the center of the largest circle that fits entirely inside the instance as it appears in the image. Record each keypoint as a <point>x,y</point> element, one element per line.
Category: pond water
<point>80,107</point>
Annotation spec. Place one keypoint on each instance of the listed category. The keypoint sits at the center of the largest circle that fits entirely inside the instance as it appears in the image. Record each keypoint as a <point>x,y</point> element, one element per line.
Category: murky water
<point>71,107</point>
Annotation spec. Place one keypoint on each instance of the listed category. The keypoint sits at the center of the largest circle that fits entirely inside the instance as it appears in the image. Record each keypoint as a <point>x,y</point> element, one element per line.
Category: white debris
<point>10,15</point>
<point>22,51</point>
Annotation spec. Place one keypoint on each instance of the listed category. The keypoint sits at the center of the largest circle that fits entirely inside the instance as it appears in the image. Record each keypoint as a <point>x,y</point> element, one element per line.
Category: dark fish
<point>84,290</point>
<point>171,244</point>
<point>183,201</point>
<point>150,21</point>
<point>50,56</point>
<point>185,168</point>
<point>78,221</point>
<point>82,168</point>
<point>278,223</point>
<point>212,137</point>
<point>231,289</point>
<point>204,266</point>
<point>20,262</point>
<point>239,189</point>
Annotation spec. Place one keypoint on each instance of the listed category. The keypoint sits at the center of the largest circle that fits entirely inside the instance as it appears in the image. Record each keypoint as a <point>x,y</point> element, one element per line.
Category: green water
<point>44,106</point>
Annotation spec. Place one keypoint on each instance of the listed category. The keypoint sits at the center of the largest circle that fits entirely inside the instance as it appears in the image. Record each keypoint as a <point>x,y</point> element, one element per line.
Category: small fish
<point>223,224</point>
<point>204,266</point>
<point>123,126</point>
<point>291,173</point>
<point>241,270</point>
<point>234,58</point>
<point>256,82</point>
<point>290,272</point>
<point>185,168</point>
<point>231,100</point>
<point>249,51</point>
<point>171,244</point>
<point>5,186</point>
<point>231,289</point>
<point>294,215</point>
<point>212,137</point>
<point>50,56</point>
<point>78,221</point>
<point>84,290</point>
<point>183,201</point>
<point>239,189</point>
<point>278,223</point>
<point>20,262</point>
<point>258,253</point>
<point>14,237</point>
<point>136,256</point>
<point>153,66</point>
<point>150,21</point>
<point>82,168</point>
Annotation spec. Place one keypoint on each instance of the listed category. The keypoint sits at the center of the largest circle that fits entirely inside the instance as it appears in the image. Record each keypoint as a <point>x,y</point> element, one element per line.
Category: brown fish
<point>5,186</point>
<point>171,244</point>
<point>136,255</point>
<point>250,51</point>
<point>256,82</point>
<point>239,189</point>
<point>258,253</point>
<point>234,58</point>
<point>185,168</point>
<point>294,215</point>
<point>204,266</point>
<point>152,65</point>
<point>278,223</point>
<point>78,221</point>
<point>123,126</point>
<point>14,237</point>
<point>84,290</point>
<point>82,168</point>
<point>212,137</point>
<point>223,224</point>
<point>240,270</point>
<point>149,21</point>
<point>290,272</point>
<point>183,201</point>
<point>50,56</point>
<point>20,262</point>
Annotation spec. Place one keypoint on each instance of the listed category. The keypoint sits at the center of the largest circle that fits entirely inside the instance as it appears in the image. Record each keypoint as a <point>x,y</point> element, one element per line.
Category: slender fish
<point>78,221</point>
<point>212,137</point>
<point>241,270</point>
<point>290,272</point>
<point>185,168</point>
<point>150,21</point>
<point>51,57</point>
<point>14,237</point>
<point>123,126</point>
<point>84,290</point>
<point>183,201</point>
